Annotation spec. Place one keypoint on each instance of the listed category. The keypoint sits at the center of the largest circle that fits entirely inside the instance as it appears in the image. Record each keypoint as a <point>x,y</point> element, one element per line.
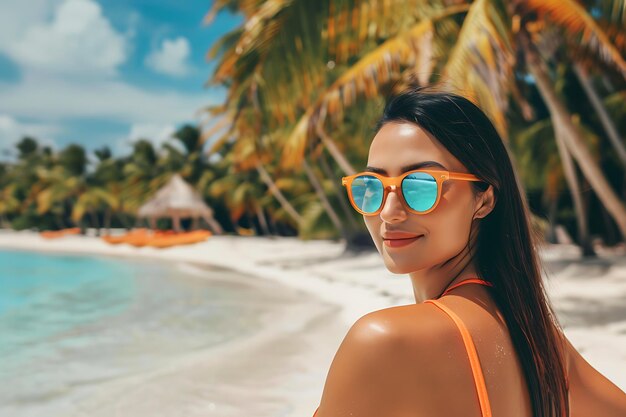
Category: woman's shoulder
<point>392,356</point>
<point>429,341</point>
<point>411,322</point>
<point>387,358</point>
<point>419,334</point>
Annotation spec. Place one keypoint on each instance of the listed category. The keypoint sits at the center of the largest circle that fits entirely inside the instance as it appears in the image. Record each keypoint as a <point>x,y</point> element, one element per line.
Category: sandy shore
<point>590,299</point>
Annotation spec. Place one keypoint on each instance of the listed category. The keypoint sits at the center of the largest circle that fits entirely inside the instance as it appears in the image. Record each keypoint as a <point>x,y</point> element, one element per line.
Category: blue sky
<point>104,72</point>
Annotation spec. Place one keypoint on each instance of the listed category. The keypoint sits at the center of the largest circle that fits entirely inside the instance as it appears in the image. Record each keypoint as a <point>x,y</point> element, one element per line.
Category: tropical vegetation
<point>305,82</point>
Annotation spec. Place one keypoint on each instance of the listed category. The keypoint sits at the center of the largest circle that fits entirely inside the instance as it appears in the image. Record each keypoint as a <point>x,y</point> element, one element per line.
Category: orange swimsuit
<point>479,380</point>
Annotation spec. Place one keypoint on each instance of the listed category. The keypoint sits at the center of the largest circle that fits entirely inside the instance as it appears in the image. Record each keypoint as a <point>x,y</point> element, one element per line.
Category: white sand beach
<point>286,364</point>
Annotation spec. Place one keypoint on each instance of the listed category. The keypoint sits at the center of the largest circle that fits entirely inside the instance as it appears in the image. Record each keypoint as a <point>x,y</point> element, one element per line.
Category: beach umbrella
<point>177,199</point>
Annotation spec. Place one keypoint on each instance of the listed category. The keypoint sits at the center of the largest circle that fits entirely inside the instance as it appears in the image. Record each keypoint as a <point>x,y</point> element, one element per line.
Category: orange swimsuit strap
<point>467,281</point>
<point>467,340</point>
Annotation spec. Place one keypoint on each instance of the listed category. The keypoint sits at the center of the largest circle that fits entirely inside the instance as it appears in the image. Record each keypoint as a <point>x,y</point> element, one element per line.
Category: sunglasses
<point>421,189</point>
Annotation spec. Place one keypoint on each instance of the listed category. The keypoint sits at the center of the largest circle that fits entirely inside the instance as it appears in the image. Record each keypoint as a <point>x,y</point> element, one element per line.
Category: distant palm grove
<point>305,83</point>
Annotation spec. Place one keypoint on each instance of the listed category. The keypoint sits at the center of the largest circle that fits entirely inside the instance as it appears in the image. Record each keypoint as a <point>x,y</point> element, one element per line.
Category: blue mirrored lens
<point>367,193</point>
<point>419,190</point>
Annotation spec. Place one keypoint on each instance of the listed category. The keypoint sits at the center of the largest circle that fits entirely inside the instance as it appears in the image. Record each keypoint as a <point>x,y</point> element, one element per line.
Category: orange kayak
<point>52,234</point>
<point>158,238</point>
<point>123,238</point>
<point>183,238</point>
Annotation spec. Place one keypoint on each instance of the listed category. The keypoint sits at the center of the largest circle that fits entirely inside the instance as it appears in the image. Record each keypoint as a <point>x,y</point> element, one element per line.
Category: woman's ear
<point>485,202</point>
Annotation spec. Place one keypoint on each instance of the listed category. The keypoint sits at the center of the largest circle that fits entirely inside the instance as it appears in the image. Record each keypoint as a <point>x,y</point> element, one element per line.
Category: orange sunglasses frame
<point>440,177</point>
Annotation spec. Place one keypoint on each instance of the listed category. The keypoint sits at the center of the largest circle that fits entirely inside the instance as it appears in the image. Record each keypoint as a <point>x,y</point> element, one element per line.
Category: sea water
<point>69,324</point>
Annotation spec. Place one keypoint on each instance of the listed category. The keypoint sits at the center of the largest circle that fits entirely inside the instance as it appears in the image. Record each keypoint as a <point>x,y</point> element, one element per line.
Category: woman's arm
<point>591,393</point>
<point>369,375</point>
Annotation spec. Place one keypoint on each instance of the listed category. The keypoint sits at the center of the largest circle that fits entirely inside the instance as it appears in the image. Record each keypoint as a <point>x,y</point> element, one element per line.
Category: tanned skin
<point>410,360</point>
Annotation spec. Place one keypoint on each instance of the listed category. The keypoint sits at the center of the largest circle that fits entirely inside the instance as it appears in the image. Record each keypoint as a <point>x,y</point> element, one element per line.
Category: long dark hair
<point>506,243</point>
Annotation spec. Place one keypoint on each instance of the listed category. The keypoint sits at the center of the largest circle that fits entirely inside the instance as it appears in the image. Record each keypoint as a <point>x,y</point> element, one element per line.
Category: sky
<point>104,72</point>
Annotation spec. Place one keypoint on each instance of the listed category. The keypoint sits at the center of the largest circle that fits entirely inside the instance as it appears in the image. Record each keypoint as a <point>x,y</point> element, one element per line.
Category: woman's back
<point>496,385</point>
<point>445,383</point>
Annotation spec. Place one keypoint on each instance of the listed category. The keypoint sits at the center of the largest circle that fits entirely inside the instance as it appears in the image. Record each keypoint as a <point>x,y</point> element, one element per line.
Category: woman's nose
<point>393,208</point>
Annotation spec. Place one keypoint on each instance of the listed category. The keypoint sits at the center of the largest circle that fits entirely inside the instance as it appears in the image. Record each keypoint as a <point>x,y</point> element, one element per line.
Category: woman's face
<point>445,230</point>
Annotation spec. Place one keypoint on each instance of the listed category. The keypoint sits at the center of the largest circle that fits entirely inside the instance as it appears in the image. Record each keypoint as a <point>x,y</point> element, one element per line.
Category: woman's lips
<point>397,243</point>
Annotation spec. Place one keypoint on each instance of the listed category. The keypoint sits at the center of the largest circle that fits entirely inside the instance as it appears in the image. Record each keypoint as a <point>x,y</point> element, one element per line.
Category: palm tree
<point>571,177</point>
<point>142,178</point>
<point>611,130</point>
<point>249,153</point>
<point>572,137</point>
<point>9,204</point>
<point>59,191</point>
<point>479,61</point>
<point>108,177</point>
<point>91,201</point>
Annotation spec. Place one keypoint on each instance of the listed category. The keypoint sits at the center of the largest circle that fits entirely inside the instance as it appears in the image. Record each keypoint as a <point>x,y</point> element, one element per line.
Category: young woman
<point>442,203</point>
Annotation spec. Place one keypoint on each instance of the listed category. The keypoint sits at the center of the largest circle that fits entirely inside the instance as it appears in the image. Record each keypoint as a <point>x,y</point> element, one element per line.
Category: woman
<point>442,203</point>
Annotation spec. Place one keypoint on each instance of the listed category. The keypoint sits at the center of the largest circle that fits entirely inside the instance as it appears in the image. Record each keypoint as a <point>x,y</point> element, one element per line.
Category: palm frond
<point>366,77</point>
<point>481,62</point>
<point>580,27</point>
<point>219,5</point>
<point>262,26</point>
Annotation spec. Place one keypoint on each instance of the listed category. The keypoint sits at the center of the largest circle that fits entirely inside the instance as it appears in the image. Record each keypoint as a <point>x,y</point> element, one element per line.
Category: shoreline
<point>294,344</point>
<point>589,297</point>
<point>324,274</point>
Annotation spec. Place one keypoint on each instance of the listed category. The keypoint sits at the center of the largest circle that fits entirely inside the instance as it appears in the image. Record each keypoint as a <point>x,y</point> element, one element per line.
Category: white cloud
<point>171,58</point>
<point>155,133</point>
<point>152,132</point>
<point>19,15</point>
<point>55,98</point>
<point>69,55</point>
<point>78,40</point>
<point>68,36</point>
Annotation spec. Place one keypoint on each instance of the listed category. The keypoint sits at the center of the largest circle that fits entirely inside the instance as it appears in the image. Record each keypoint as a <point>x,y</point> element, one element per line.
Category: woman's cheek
<point>373,228</point>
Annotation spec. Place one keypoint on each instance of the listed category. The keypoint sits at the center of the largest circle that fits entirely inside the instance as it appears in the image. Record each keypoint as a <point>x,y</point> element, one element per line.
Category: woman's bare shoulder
<point>407,327</point>
<point>414,327</point>
<point>399,317</point>
<point>382,364</point>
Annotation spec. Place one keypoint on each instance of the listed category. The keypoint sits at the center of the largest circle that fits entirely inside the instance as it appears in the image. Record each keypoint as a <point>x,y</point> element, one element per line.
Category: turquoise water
<point>72,322</point>
<point>44,296</point>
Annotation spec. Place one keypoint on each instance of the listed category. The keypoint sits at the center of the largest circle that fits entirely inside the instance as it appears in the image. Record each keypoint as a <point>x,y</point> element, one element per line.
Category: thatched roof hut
<point>178,199</point>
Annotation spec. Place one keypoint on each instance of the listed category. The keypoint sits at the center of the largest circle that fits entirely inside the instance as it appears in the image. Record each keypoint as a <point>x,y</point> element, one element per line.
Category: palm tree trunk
<point>252,224</point>
<point>610,235</point>
<point>95,222</point>
<point>339,157</point>
<point>122,218</point>
<point>573,137</point>
<point>58,220</point>
<point>275,229</point>
<point>569,169</point>
<point>261,218</point>
<point>107,220</point>
<point>215,225</point>
<point>341,194</point>
<point>67,208</point>
<point>553,205</point>
<point>265,177</point>
<point>322,196</point>
<point>606,121</point>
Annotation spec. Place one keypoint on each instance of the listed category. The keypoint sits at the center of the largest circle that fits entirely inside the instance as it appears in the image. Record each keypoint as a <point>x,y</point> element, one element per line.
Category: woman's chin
<point>395,268</point>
